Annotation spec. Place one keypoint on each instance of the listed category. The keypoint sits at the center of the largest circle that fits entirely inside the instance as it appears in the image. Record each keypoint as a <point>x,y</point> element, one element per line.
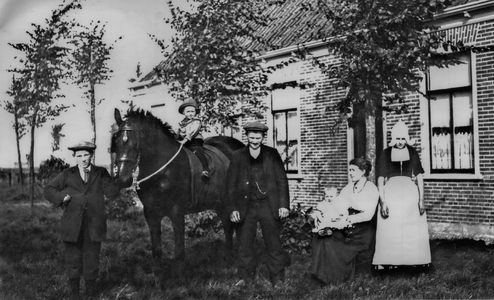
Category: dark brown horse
<point>166,175</point>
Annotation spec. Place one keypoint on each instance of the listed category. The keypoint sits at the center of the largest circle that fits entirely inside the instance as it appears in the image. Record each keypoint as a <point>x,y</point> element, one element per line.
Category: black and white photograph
<point>246,149</point>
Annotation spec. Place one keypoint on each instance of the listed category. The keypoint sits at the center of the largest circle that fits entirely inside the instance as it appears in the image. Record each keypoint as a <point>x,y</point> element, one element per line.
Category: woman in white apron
<point>402,236</point>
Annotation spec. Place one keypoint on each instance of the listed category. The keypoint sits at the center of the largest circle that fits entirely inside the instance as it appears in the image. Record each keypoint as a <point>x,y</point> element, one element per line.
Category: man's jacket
<point>239,177</point>
<point>85,198</point>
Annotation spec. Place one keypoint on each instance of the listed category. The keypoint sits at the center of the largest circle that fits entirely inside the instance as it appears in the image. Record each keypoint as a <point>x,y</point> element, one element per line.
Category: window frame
<point>285,112</point>
<point>287,108</point>
<point>469,174</point>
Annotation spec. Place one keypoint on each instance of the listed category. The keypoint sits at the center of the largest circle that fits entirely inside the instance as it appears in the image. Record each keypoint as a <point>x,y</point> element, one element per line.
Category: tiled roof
<point>288,26</point>
<point>290,20</point>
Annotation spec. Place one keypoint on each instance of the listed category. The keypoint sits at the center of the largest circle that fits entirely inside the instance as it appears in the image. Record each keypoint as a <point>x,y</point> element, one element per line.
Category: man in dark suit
<point>80,191</point>
<point>258,193</point>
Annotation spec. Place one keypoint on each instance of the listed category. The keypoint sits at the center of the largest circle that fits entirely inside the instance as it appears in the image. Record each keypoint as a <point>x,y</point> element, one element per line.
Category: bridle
<point>135,170</point>
<point>126,128</point>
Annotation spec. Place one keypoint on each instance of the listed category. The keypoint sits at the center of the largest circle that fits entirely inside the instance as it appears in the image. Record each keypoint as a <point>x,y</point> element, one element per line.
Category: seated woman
<point>333,256</point>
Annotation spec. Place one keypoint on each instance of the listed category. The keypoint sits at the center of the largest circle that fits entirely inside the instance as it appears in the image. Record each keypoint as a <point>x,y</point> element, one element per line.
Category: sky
<point>131,19</point>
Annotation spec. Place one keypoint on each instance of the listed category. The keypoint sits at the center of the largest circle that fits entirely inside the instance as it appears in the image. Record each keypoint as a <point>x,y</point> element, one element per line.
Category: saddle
<point>212,190</point>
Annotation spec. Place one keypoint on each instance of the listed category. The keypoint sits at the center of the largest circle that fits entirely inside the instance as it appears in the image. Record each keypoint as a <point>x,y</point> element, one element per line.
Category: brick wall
<point>464,201</point>
<point>323,149</point>
<point>324,154</point>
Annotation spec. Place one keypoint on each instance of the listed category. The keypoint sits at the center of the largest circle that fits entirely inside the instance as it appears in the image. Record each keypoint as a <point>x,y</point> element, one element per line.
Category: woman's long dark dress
<point>333,257</point>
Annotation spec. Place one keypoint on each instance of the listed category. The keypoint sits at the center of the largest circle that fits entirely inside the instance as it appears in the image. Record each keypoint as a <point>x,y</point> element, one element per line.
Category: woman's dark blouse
<point>388,168</point>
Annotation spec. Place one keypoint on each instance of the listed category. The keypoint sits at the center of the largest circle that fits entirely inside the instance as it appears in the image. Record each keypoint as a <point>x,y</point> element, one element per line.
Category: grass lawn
<point>31,266</point>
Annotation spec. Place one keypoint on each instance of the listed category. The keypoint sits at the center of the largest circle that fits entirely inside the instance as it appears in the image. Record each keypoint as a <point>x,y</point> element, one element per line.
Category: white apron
<point>402,238</point>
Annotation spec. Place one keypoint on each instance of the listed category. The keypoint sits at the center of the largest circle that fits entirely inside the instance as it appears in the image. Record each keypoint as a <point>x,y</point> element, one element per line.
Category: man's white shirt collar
<point>81,170</point>
<point>255,153</point>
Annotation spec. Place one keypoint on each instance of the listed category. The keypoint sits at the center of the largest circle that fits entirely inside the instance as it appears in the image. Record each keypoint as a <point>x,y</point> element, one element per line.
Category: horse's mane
<point>152,121</point>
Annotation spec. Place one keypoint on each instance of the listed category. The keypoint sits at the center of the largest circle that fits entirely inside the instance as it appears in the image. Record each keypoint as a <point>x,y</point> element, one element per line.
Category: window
<point>451,118</point>
<point>285,139</point>
<point>286,127</point>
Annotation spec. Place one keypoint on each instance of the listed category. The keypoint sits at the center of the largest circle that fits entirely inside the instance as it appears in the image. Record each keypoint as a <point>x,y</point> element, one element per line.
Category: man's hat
<point>88,146</point>
<point>188,102</point>
<point>255,126</point>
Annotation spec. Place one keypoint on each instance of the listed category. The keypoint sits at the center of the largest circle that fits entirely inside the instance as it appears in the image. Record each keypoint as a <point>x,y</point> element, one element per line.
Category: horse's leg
<point>178,224</point>
<point>154,224</point>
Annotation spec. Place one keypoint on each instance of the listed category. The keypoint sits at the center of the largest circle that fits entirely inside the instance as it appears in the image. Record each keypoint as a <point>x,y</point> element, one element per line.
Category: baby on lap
<point>331,213</point>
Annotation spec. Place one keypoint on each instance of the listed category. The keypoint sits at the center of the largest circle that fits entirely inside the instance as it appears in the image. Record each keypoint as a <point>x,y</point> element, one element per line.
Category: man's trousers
<point>82,257</point>
<point>259,212</point>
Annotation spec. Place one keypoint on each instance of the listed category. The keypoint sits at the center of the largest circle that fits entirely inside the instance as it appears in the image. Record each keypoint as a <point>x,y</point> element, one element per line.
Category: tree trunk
<point>31,158</point>
<point>370,133</point>
<point>19,160</point>
<point>93,113</point>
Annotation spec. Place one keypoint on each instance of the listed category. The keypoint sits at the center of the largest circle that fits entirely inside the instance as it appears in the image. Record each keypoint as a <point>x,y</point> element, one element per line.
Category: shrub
<point>296,233</point>
<point>50,168</point>
<point>116,208</point>
<point>202,223</point>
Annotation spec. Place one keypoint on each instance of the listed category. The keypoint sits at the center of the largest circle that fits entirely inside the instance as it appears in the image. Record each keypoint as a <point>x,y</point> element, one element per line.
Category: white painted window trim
<point>270,135</point>
<point>424,133</point>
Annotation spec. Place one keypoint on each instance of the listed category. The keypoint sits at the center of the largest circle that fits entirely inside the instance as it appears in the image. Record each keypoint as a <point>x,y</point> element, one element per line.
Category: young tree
<point>208,59</point>
<point>43,67</point>
<point>90,59</point>
<point>383,46</point>
<point>56,133</point>
<point>16,108</point>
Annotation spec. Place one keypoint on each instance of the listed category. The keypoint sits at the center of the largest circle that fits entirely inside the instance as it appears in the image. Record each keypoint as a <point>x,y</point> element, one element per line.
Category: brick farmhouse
<point>453,126</point>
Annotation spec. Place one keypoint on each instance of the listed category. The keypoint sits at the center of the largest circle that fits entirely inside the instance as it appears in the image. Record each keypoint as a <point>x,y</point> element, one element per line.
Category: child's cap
<point>188,102</point>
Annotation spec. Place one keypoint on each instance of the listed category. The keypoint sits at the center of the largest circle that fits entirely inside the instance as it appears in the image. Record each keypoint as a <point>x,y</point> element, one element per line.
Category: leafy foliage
<point>90,55</point>
<point>50,168</point>
<point>56,133</point>
<point>296,234</point>
<point>43,68</point>
<point>90,58</point>
<point>382,46</point>
<point>116,209</point>
<point>202,224</point>
<point>47,61</point>
<point>15,107</point>
<point>208,59</point>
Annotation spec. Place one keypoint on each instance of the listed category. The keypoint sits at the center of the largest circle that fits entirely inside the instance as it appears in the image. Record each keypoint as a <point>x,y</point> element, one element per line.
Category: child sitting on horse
<point>189,132</point>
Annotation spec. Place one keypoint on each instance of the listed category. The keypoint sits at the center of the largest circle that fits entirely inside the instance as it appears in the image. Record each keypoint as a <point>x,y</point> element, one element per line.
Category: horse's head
<point>126,146</point>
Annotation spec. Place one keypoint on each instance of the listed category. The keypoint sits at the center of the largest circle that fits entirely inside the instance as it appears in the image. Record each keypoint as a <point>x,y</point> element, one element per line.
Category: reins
<point>135,174</point>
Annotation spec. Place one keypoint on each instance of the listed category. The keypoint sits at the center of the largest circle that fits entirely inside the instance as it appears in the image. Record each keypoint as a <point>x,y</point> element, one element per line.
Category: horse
<point>167,173</point>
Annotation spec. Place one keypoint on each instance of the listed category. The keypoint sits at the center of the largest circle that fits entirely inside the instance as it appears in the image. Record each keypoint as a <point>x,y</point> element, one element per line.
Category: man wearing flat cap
<point>80,191</point>
<point>258,193</point>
